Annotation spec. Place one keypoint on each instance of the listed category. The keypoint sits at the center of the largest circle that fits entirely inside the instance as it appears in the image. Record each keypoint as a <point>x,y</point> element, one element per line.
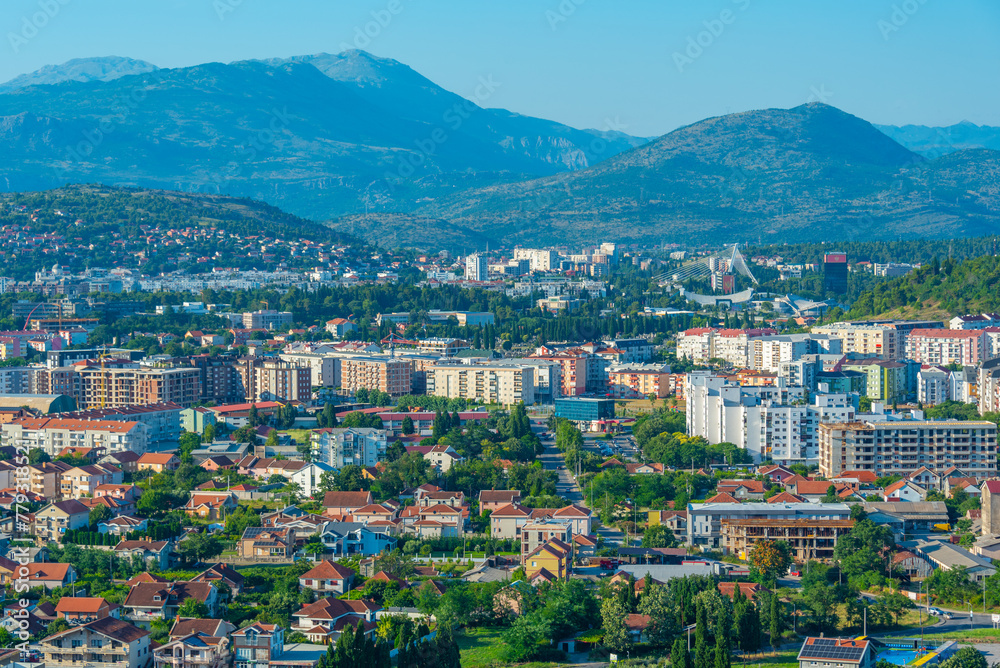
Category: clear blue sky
<point>583,62</point>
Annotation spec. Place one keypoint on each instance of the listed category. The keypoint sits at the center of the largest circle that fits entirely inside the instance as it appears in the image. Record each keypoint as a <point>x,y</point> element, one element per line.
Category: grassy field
<point>975,635</point>
<point>480,646</point>
<point>298,435</point>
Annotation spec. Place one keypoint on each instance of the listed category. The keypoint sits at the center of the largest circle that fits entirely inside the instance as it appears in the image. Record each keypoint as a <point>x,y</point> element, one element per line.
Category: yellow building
<point>554,557</point>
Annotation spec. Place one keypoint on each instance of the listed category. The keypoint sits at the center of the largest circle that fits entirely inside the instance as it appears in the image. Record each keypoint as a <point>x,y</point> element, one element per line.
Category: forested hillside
<point>939,289</point>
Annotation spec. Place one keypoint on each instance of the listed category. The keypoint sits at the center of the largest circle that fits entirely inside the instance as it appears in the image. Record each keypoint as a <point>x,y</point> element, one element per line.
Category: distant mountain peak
<point>102,68</point>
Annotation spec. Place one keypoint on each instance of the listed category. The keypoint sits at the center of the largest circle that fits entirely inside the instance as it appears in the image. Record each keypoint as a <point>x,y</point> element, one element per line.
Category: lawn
<point>480,646</point>
<point>975,635</point>
<point>298,435</point>
<point>783,659</point>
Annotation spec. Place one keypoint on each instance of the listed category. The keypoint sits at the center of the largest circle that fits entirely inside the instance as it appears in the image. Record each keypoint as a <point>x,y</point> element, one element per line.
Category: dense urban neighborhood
<point>536,455</point>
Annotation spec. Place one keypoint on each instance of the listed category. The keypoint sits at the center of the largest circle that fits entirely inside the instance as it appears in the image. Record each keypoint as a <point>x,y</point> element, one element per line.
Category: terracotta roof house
<point>749,589</point>
<point>104,642</point>
<point>147,601</point>
<point>341,505</point>
<point>267,543</point>
<point>494,499</point>
<point>776,472</point>
<point>222,572</point>
<point>158,462</point>
<point>323,621</point>
<point>786,497</point>
<point>82,609</point>
<point>49,575</point>
<point>722,497</point>
<point>904,490</point>
<point>157,551</point>
<point>741,489</point>
<point>209,506</point>
<point>328,577</point>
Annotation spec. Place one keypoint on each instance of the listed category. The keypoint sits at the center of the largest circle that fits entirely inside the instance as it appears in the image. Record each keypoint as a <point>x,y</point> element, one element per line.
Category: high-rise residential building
<point>267,319</point>
<point>494,384</point>
<point>885,381</point>
<point>933,385</point>
<point>865,339</point>
<point>121,383</point>
<point>386,374</point>
<point>947,346</point>
<point>477,268</point>
<point>771,422</point>
<point>835,272</point>
<point>903,446</point>
<point>541,260</point>
<point>266,379</point>
<point>340,447</point>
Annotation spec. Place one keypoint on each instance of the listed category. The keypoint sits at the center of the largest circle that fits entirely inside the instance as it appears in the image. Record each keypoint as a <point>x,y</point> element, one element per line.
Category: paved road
<point>552,460</point>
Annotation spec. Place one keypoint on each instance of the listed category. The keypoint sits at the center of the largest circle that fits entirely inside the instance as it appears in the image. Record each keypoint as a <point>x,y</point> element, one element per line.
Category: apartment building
<point>868,340</point>
<point>696,344</point>
<point>83,481</point>
<point>947,346</point>
<point>51,435</point>
<point>631,381</point>
<point>810,538</point>
<point>267,319</point>
<point>705,520</point>
<point>885,380</point>
<point>768,353</point>
<point>770,421</point>
<point>104,642</point>
<point>933,385</point>
<point>323,368</point>
<point>574,365</point>
<point>120,383</point>
<point>495,384</point>
<point>162,421</point>
<point>901,447</point>
<point>340,447</point>
<point>275,380</point>
<point>540,260</point>
<point>386,374</point>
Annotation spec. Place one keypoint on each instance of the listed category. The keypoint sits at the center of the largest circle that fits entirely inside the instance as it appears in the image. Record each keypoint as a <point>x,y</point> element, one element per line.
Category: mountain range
<point>369,146</point>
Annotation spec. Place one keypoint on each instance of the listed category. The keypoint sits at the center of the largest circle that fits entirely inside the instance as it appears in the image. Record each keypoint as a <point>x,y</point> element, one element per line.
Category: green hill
<point>935,291</point>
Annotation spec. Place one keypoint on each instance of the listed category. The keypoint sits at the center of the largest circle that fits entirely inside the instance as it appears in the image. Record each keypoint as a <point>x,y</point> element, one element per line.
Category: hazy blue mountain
<point>107,68</point>
<point>808,173</point>
<point>933,142</point>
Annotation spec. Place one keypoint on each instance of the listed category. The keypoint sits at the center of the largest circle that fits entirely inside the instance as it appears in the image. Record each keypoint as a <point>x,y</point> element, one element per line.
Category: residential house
<point>650,468</point>
<point>197,650</point>
<point>55,519</point>
<point>839,652</point>
<point>741,490</point>
<point>152,552</point>
<point>341,505</point>
<point>443,457</point>
<point>126,460</point>
<point>535,534</point>
<point>348,538</point>
<point>256,645</point>
<point>675,520</point>
<point>222,573</point>
<point>49,575</point>
<point>554,557</point>
<point>775,472</point>
<point>495,499</point>
<point>327,577</point>
<point>323,621</point>
<point>147,601</point>
<point>926,478</point>
<point>904,490</point>
<point>122,525</point>
<point>104,642</point>
<point>83,609</point>
<point>158,462</point>
<point>185,626</point>
<point>210,506</point>
<point>309,477</point>
<point>267,543</point>
<point>81,481</point>
<point>638,626</point>
<point>948,557</point>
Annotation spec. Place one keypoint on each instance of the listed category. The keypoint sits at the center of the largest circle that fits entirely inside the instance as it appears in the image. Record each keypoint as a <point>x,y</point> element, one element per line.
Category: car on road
<point>934,611</point>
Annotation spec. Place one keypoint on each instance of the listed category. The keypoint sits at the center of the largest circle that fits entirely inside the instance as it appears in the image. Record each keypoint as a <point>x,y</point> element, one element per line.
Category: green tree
<point>679,655</point>
<point>967,657</point>
<point>99,514</point>
<point>722,652</point>
<point>616,633</point>
<point>192,607</point>
<point>408,425</point>
<point>864,549</point>
<point>775,622</point>
<point>701,652</point>
<point>656,602</point>
<point>769,560</point>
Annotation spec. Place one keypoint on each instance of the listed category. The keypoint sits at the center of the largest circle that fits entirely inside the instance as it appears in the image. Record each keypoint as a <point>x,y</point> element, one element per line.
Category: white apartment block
<point>51,435</point>
<point>903,446</point>
<point>340,447</point>
<point>765,420</point>
<point>488,383</point>
<point>732,345</point>
<point>695,344</point>
<point>933,385</point>
<point>477,268</point>
<point>768,353</point>
<point>541,260</point>
<point>323,368</point>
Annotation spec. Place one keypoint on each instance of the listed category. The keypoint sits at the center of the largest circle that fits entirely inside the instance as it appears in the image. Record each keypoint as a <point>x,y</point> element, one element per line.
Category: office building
<point>581,409</point>
<point>835,273</point>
